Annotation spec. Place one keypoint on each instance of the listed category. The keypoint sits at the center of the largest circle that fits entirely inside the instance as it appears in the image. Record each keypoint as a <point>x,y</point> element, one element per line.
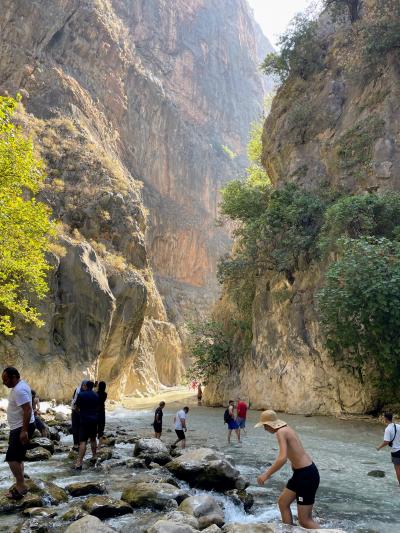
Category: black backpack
<point>227,416</point>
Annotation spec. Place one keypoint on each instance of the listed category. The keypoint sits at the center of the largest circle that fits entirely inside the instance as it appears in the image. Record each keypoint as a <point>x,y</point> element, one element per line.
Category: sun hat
<point>269,418</point>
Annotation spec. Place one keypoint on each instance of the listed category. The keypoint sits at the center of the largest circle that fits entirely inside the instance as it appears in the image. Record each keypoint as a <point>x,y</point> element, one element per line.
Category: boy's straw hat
<point>269,418</point>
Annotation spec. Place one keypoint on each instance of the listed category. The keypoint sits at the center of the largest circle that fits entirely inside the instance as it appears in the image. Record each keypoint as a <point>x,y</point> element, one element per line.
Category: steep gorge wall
<point>130,104</point>
<point>288,367</point>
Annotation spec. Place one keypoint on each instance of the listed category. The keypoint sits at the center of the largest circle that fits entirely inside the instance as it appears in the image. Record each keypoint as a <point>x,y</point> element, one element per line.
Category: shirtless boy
<point>303,485</point>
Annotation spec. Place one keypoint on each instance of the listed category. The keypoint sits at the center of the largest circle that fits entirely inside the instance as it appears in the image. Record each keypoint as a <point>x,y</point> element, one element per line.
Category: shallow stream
<point>344,452</point>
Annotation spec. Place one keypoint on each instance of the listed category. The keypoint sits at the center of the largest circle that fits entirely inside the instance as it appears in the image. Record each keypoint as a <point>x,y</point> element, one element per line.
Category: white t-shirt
<point>19,395</point>
<point>179,415</point>
<point>389,434</point>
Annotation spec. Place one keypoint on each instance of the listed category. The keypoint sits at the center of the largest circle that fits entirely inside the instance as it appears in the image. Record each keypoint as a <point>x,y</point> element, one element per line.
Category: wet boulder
<point>152,451</point>
<point>33,525</point>
<point>169,526</point>
<point>205,509</point>
<point>241,497</point>
<point>54,435</point>
<point>212,529</point>
<point>207,469</point>
<point>182,518</point>
<point>90,524</point>
<point>40,511</point>
<point>104,454</point>
<point>153,495</point>
<point>13,506</point>
<point>376,473</point>
<point>42,442</point>
<point>155,476</point>
<point>104,507</point>
<point>86,487</point>
<point>74,513</point>
<point>38,454</point>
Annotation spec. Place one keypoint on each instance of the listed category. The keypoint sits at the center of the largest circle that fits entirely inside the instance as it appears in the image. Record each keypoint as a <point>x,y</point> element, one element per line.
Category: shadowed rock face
<point>119,91</point>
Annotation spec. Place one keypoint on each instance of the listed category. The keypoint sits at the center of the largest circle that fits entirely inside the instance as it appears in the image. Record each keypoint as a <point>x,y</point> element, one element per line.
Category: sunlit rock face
<point>311,122</point>
<point>135,108</point>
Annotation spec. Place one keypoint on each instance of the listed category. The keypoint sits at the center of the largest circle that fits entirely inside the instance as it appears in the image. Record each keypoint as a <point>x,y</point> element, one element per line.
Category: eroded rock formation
<point>119,94</point>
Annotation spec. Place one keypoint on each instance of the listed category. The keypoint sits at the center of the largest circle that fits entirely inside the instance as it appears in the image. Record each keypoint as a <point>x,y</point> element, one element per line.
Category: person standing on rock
<point>75,417</point>
<point>87,404</point>
<point>157,424</point>
<point>180,426</point>
<point>21,420</point>
<point>241,409</point>
<point>101,417</point>
<point>391,438</point>
<point>304,483</point>
<point>229,418</point>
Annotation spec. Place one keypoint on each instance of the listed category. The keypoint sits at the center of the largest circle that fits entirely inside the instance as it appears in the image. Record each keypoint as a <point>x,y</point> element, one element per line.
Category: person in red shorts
<point>241,409</point>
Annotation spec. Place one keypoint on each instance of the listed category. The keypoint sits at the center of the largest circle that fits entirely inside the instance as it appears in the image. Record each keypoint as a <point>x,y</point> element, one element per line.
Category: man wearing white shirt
<point>392,438</point>
<point>180,426</point>
<point>21,420</point>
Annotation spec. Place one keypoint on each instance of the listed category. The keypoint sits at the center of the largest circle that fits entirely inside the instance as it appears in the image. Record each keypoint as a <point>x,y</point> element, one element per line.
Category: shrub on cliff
<point>24,226</point>
<point>302,52</point>
<point>360,309</point>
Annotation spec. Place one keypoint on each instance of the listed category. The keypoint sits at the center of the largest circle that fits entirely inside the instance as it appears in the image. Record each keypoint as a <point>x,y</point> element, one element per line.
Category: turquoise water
<point>344,452</point>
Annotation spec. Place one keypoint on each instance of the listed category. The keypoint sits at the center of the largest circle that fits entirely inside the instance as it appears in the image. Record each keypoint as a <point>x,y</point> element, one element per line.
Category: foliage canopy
<point>25,226</point>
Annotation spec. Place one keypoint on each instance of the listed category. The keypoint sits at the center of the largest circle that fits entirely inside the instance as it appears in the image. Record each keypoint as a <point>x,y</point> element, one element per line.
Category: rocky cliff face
<point>130,104</point>
<point>342,110</point>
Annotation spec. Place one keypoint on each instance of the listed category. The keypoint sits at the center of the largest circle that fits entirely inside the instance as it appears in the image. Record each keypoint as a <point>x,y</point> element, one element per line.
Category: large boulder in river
<point>205,468</point>
<point>40,493</point>
<point>152,451</point>
<point>38,454</point>
<point>42,442</point>
<point>86,487</point>
<point>91,524</point>
<point>154,495</point>
<point>169,526</point>
<point>105,507</point>
<point>205,509</point>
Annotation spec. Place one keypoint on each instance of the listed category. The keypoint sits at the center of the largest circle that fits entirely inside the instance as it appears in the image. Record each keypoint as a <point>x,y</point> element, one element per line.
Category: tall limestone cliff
<point>131,104</point>
<point>340,126</point>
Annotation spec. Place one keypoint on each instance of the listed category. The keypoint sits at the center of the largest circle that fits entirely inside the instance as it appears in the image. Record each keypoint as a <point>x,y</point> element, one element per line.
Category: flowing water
<point>344,452</point>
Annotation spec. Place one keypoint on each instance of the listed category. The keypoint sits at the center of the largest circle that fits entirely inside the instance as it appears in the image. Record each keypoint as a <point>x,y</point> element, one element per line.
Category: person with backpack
<point>229,418</point>
<point>391,438</point>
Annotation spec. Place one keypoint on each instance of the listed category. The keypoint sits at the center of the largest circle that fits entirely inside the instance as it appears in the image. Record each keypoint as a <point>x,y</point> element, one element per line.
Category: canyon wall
<point>340,127</point>
<point>140,111</point>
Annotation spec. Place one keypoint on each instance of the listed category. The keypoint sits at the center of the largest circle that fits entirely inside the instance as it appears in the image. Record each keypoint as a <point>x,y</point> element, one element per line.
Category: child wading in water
<point>303,485</point>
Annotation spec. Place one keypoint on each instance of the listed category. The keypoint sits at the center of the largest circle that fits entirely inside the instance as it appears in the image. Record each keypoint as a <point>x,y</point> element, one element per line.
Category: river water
<point>344,452</point>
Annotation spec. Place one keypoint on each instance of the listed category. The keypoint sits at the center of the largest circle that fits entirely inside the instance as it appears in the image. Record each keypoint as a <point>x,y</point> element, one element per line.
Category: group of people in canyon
<point>88,421</point>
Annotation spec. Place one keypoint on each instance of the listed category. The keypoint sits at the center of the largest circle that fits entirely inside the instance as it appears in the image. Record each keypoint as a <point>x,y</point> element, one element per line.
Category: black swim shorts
<point>305,483</point>
<point>180,434</point>
<point>157,427</point>
<point>87,430</point>
<point>16,450</point>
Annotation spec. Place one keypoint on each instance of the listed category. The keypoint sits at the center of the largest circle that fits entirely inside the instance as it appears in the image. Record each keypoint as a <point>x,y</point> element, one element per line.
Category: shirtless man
<point>303,485</point>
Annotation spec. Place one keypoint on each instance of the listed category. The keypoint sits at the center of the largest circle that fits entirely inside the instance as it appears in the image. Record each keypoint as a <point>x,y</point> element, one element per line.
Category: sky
<point>274,15</point>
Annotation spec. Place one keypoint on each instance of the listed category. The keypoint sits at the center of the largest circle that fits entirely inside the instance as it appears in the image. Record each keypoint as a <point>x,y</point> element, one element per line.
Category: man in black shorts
<point>22,425</point>
<point>157,424</point>
<point>304,483</point>
<point>87,403</point>
<point>180,426</point>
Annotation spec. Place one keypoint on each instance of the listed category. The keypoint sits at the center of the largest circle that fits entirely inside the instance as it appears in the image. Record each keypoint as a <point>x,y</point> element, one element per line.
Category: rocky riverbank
<point>138,484</point>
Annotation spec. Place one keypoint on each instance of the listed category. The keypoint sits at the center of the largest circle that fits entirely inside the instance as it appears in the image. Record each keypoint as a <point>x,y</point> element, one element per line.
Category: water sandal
<point>16,495</point>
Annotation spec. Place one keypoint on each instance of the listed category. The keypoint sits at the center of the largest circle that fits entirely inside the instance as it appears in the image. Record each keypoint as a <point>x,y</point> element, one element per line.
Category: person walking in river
<point>229,418</point>
<point>101,417</point>
<point>21,420</point>
<point>75,417</point>
<point>157,423</point>
<point>87,404</point>
<point>181,427</point>
<point>304,483</point>
<point>40,425</point>
<point>199,394</point>
<point>241,409</point>
<point>391,438</point>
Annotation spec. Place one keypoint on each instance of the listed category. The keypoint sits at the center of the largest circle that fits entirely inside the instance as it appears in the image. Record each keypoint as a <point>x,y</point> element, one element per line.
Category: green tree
<point>360,309</point>
<point>302,51</point>
<point>24,225</point>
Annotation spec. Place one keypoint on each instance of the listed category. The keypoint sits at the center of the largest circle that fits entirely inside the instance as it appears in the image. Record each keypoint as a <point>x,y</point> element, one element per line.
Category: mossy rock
<point>154,495</point>
<point>38,454</point>
<point>105,507</point>
<point>86,487</point>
